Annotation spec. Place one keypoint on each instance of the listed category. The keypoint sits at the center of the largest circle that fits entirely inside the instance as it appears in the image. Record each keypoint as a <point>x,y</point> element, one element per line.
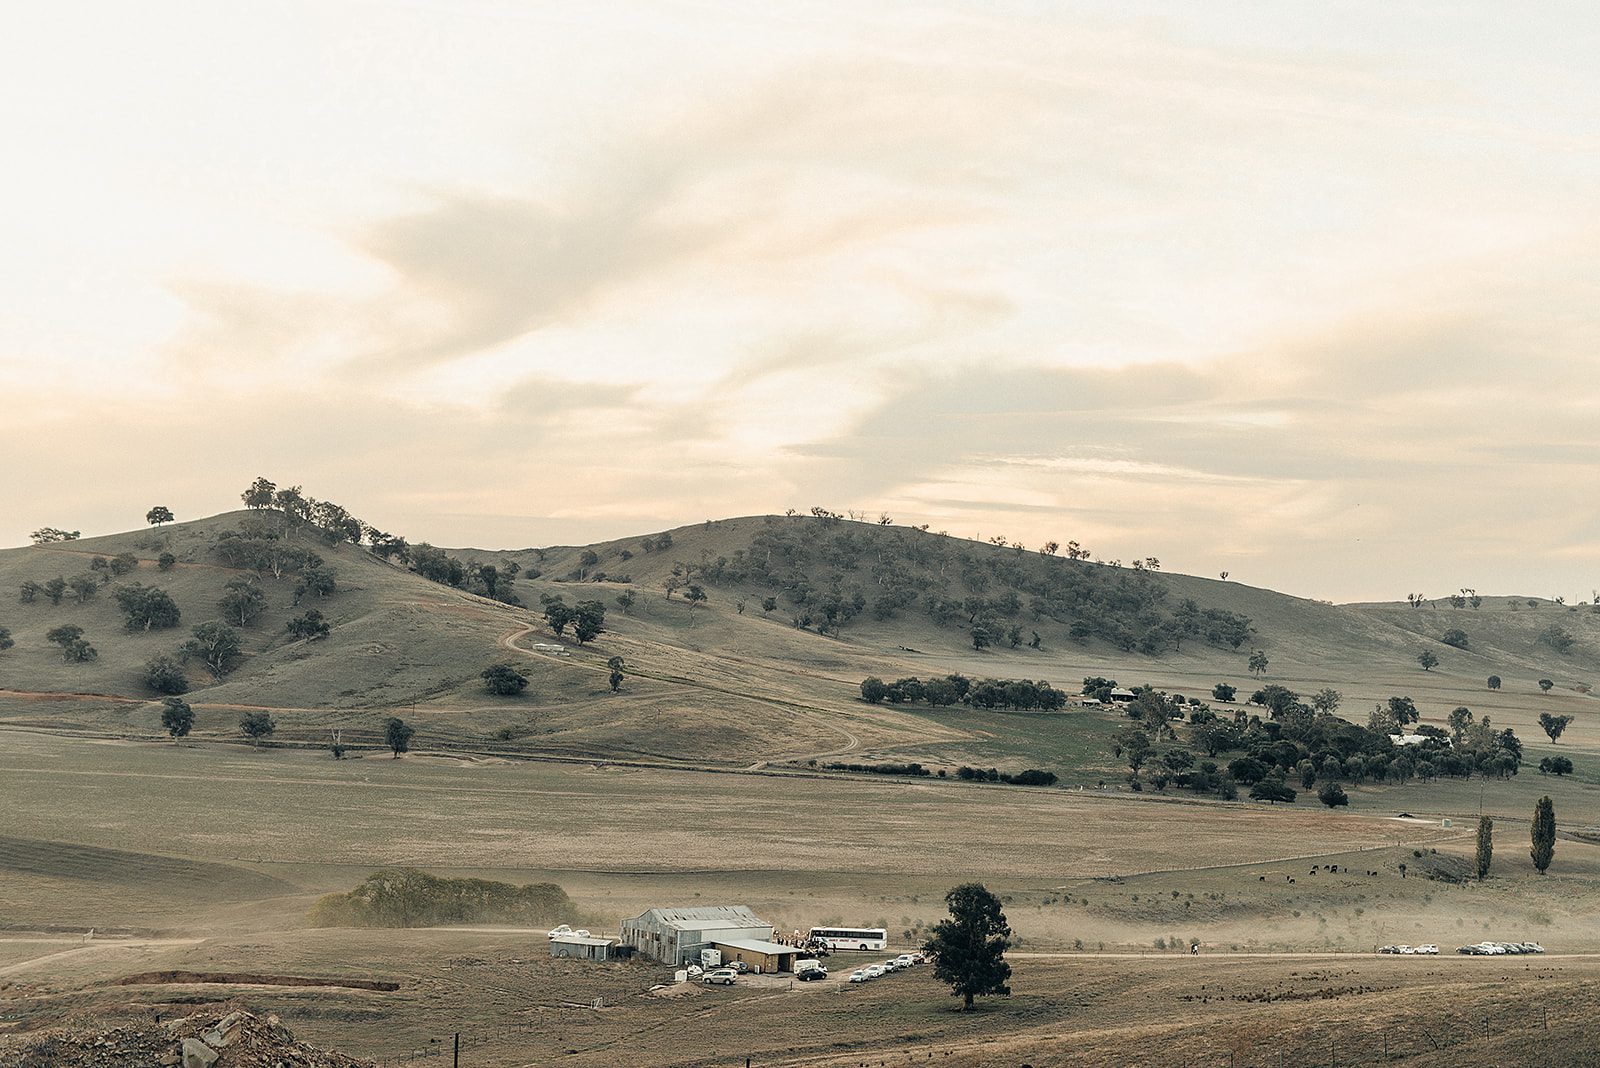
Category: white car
<point>907,960</point>
<point>1407,950</point>
<point>1493,949</point>
<point>860,975</point>
<point>875,970</point>
<point>1430,950</point>
<point>722,976</point>
<point>556,932</point>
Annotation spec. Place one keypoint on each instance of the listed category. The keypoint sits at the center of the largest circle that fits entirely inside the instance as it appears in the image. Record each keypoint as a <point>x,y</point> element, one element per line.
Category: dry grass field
<point>703,781</point>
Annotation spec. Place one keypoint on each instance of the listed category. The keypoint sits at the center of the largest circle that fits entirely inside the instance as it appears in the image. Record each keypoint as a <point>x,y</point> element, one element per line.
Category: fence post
<point>456,1060</point>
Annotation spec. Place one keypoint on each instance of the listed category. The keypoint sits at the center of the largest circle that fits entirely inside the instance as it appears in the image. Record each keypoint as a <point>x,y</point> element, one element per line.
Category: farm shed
<point>1121,696</point>
<point>676,936</point>
<point>759,954</point>
<point>580,947</point>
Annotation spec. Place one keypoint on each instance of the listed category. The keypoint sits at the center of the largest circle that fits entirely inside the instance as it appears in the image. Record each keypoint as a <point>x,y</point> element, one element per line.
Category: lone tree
<point>1258,663</point>
<point>616,665</point>
<point>176,716</point>
<point>257,725</point>
<point>397,735</point>
<point>968,950</point>
<point>1333,795</point>
<point>1485,854</point>
<point>6,641</point>
<point>158,515</point>
<point>1544,834</point>
<point>1223,692</point>
<point>1274,791</point>
<point>1553,725</point>
<point>147,608</point>
<point>1494,682</point>
<point>1555,766</point>
<point>217,645</point>
<point>504,680</point>
<point>1427,659</point>
<point>1546,685</point>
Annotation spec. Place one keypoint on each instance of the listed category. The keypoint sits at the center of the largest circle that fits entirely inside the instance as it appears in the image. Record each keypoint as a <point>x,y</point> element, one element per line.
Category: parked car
<point>907,960</point>
<point>562,930</point>
<point>875,970</point>
<point>1430,950</point>
<point>1388,949</point>
<point>860,975</point>
<point>1407,950</point>
<point>722,976</point>
<point>1537,948</point>
<point>806,975</point>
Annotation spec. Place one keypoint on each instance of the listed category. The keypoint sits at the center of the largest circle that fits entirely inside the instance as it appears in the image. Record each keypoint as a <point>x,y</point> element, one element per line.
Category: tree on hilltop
<point>968,949</point>
<point>260,494</point>
<point>51,535</point>
<point>158,515</point>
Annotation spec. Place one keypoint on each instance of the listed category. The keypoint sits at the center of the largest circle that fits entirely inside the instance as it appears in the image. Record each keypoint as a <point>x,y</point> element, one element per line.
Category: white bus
<point>851,937</point>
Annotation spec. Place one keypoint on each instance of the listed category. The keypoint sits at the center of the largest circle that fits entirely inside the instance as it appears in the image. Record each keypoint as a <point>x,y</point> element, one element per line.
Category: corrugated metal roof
<point>704,916</point>
<point>755,945</point>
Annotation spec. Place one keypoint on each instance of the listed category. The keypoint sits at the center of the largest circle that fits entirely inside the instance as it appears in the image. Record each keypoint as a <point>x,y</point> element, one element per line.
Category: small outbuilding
<point>581,947</point>
<point>1122,696</point>
<point>758,954</point>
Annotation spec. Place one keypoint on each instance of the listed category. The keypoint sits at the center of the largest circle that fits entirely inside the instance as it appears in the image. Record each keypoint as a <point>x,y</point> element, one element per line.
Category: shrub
<point>407,897</point>
<point>1333,795</point>
<point>1555,766</point>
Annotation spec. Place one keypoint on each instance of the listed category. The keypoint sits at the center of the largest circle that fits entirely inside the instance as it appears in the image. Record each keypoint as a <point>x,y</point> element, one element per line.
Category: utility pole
<point>456,1060</point>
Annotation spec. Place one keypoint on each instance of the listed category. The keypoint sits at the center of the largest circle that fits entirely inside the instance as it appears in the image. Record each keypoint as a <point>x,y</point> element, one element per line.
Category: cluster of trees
<point>586,618</point>
<point>1030,777</point>
<point>1542,831</point>
<point>496,582</point>
<point>954,689</point>
<point>82,587</point>
<point>912,768</point>
<point>1305,743</point>
<point>834,572</point>
<point>406,897</point>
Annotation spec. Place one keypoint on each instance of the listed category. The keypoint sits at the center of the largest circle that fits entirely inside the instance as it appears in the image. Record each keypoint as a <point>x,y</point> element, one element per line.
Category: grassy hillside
<point>797,611</point>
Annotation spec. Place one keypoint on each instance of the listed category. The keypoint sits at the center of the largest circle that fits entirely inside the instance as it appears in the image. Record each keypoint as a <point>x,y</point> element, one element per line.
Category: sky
<point>1304,292</point>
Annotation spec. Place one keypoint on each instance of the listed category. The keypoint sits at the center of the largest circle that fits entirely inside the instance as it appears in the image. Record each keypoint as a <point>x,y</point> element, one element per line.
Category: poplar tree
<point>1544,834</point>
<point>1485,845</point>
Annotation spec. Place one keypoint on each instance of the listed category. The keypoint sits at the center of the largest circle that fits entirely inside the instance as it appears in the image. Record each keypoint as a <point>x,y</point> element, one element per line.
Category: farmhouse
<point>1122,696</point>
<point>581,947</point>
<point>676,936</point>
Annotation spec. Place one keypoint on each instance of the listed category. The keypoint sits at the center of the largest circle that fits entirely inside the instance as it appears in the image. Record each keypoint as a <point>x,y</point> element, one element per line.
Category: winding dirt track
<point>825,719</point>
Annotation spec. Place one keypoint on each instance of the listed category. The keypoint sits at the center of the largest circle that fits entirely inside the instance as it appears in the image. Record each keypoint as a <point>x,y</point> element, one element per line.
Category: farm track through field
<point>817,715</point>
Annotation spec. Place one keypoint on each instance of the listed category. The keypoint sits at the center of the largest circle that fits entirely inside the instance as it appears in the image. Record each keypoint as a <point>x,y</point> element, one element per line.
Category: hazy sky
<point>1307,292</point>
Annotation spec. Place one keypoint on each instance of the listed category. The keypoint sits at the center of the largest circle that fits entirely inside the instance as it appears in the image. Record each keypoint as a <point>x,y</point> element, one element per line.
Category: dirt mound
<point>204,1040</point>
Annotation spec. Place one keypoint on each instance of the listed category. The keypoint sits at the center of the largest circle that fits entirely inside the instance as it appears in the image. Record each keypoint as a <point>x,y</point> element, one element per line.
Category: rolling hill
<point>796,610</point>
